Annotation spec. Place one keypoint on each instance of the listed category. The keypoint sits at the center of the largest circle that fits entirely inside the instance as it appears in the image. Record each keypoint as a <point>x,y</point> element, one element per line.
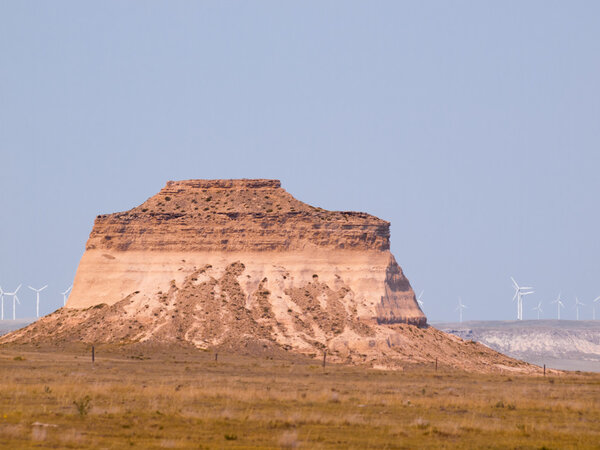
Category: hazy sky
<point>472,126</point>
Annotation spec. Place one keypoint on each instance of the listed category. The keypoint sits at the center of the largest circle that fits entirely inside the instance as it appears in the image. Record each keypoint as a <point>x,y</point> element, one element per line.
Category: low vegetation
<point>159,398</point>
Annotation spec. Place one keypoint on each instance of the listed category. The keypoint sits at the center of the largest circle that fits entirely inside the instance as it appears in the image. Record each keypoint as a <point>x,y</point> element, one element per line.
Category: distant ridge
<point>560,344</point>
<point>6,326</point>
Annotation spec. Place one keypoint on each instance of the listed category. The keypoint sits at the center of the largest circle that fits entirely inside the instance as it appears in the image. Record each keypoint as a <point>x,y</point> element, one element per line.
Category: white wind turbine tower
<point>519,297</point>
<point>559,305</point>
<point>65,294</point>
<point>460,308</point>
<point>2,300</point>
<point>37,296</point>
<point>420,302</point>
<point>15,301</point>
<point>523,295</point>
<point>577,305</point>
<point>538,308</point>
<point>593,305</point>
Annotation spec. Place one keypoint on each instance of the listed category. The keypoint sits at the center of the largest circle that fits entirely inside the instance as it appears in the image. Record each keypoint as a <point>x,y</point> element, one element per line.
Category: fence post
<point>93,354</point>
<point>324,357</point>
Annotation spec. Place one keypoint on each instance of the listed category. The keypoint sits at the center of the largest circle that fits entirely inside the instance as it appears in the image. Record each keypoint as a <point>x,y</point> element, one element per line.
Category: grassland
<point>159,398</point>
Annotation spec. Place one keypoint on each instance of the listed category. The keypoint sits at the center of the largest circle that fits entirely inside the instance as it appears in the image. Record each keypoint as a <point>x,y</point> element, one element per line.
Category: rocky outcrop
<point>235,216</point>
<point>189,224</point>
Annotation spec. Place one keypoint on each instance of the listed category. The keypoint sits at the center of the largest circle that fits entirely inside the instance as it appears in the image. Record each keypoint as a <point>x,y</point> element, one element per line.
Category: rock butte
<point>241,263</point>
<point>284,244</point>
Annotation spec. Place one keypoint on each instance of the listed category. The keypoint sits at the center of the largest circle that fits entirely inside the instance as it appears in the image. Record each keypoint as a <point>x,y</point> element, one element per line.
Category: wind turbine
<point>65,294</point>
<point>538,308</point>
<point>460,308</point>
<point>15,301</point>
<point>577,305</point>
<point>523,294</point>
<point>37,295</point>
<point>593,305</point>
<point>519,297</point>
<point>559,305</point>
<point>420,302</point>
<point>2,300</point>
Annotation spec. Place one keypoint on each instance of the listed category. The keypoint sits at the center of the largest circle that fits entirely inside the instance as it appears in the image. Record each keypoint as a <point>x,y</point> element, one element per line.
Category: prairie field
<point>145,397</point>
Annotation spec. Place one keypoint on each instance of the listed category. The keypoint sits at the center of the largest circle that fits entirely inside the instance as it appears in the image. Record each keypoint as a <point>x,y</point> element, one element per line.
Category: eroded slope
<point>211,310</point>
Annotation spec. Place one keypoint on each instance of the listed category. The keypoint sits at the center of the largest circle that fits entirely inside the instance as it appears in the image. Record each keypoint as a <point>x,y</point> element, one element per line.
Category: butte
<point>243,265</point>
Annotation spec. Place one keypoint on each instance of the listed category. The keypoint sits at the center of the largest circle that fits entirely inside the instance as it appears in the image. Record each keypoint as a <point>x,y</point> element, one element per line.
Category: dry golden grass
<point>180,398</point>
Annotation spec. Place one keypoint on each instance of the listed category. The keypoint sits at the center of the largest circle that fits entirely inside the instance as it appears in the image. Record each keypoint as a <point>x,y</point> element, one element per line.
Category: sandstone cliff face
<point>235,216</point>
<point>189,224</point>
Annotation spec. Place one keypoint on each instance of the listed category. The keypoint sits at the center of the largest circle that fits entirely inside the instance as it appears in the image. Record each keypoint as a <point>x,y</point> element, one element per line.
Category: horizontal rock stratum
<point>240,263</point>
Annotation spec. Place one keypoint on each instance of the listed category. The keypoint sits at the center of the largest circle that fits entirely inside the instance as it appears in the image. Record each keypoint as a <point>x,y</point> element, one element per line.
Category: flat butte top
<point>235,215</point>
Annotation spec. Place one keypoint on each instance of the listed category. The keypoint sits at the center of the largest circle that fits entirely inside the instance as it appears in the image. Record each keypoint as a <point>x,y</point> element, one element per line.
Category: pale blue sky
<point>472,126</point>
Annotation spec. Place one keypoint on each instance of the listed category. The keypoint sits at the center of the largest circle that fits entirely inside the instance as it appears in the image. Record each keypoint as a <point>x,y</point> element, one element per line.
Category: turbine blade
<point>43,288</point>
<point>514,282</point>
<point>65,293</point>
<point>17,289</point>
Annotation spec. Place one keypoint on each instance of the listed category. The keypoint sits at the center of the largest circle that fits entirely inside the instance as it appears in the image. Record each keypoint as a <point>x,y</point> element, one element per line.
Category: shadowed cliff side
<point>398,302</point>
